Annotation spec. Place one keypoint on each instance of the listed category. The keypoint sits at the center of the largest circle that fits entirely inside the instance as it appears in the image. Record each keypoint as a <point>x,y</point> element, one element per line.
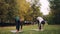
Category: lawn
<point>27,29</point>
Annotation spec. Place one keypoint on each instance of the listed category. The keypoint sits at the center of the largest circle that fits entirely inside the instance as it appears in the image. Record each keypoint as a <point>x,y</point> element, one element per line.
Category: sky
<point>44,7</point>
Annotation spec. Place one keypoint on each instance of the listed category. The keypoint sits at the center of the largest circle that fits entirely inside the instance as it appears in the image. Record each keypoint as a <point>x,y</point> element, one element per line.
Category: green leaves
<point>55,12</point>
<point>7,9</point>
<point>11,8</point>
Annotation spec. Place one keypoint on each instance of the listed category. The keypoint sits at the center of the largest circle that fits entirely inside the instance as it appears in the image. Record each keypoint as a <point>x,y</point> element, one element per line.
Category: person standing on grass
<point>41,23</point>
<point>17,23</point>
<point>21,23</point>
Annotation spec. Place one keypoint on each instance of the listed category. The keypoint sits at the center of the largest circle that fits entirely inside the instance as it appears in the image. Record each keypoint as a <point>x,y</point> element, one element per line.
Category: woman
<point>21,23</point>
<point>17,23</point>
<point>41,23</point>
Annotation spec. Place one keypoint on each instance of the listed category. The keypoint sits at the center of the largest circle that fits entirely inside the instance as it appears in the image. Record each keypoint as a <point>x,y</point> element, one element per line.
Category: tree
<point>28,11</point>
<point>36,9</point>
<point>55,12</point>
<point>11,8</point>
<point>7,10</point>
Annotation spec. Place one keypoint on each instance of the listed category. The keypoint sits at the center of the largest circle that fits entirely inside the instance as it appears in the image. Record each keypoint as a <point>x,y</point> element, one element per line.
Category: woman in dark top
<point>17,23</point>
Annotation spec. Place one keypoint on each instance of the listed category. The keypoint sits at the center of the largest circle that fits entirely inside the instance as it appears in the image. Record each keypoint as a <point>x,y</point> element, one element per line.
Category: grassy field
<point>27,29</point>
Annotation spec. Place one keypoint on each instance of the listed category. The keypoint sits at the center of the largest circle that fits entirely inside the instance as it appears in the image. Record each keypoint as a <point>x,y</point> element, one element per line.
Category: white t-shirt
<point>40,19</point>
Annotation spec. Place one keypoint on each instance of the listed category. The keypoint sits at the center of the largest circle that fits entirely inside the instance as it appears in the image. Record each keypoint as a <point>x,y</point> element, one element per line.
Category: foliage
<point>7,10</point>
<point>11,8</point>
<point>27,11</point>
<point>54,17</point>
<point>36,10</point>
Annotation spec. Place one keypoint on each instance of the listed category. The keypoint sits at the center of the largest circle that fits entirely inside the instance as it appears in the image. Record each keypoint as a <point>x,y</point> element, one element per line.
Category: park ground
<point>27,29</point>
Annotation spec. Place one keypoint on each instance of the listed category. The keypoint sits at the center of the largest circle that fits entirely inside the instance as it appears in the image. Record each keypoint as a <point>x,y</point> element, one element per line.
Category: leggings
<point>17,25</point>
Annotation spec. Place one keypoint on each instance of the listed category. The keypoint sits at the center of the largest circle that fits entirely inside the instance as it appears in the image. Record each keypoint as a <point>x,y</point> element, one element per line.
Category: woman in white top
<point>41,23</point>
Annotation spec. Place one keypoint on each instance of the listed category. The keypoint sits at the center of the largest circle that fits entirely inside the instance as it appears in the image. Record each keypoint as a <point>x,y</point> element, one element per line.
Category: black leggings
<point>21,25</point>
<point>43,22</point>
<point>17,25</point>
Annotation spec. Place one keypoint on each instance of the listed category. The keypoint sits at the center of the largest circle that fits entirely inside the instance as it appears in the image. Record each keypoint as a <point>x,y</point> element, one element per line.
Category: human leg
<point>39,26</point>
<point>42,25</point>
<point>17,26</point>
<point>21,26</point>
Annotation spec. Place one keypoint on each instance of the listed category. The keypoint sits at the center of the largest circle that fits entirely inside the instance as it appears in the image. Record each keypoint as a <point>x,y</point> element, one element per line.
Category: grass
<point>48,29</point>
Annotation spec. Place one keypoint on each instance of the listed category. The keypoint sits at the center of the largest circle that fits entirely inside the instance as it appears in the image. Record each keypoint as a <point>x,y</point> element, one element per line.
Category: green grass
<point>48,29</point>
